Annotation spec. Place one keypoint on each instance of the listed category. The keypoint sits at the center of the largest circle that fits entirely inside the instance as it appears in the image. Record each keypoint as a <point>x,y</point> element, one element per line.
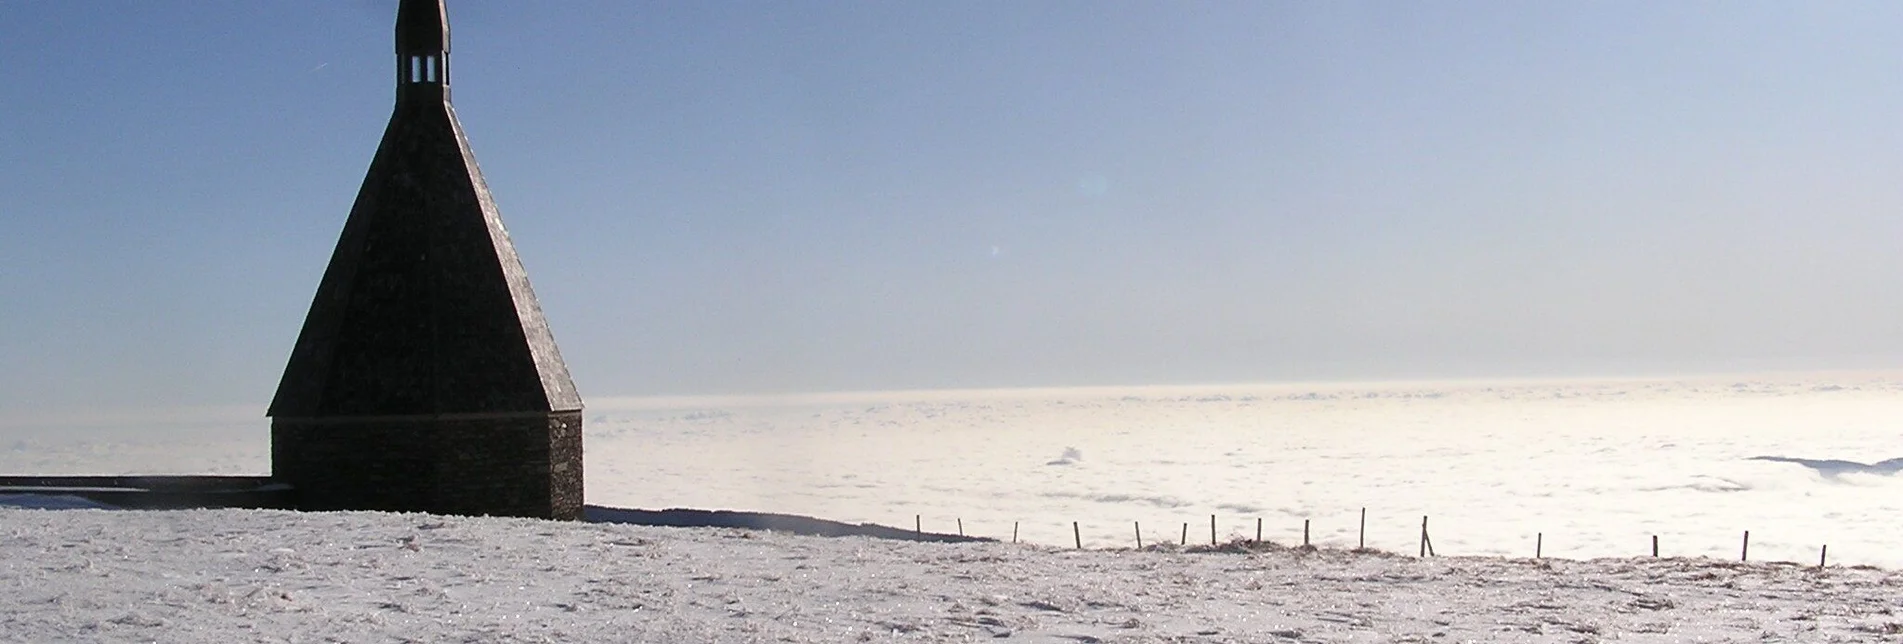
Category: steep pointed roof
<point>425,307</point>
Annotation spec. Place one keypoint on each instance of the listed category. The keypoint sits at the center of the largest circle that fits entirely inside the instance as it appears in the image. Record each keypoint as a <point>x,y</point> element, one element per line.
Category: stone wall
<point>527,465</point>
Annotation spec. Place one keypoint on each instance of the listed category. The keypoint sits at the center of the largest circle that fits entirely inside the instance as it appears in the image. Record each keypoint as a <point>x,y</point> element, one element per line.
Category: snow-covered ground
<point>265,576</point>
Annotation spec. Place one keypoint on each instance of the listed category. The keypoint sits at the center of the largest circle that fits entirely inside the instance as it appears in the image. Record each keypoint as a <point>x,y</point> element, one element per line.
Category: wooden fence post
<point>1423,536</point>
<point>1304,532</point>
<point>1427,545</point>
<point>1539,539</point>
<point>1139,526</point>
<point>1077,534</point>
<point>1744,554</point>
<point>1361,542</point>
<point>1212,529</point>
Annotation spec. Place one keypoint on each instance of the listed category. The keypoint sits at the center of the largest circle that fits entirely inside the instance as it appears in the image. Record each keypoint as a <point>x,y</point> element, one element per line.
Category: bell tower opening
<point>427,69</point>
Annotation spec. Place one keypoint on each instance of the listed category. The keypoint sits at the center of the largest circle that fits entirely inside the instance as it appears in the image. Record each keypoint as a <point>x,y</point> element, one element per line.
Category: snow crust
<point>268,576</point>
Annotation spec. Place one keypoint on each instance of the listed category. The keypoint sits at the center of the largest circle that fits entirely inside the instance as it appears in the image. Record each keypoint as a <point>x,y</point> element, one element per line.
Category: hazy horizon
<point>232,416</point>
<point>730,198</point>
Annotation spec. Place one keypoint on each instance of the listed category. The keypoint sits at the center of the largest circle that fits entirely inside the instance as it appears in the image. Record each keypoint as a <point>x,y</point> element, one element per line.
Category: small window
<point>416,69</point>
<point>429,69</point>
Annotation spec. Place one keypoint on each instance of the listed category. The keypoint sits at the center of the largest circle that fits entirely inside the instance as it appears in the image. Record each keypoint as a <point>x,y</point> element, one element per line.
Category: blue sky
<point>766,197</point>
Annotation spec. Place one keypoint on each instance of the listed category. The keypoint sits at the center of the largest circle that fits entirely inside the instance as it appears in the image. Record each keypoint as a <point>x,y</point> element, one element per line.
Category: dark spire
<point>422,45</point>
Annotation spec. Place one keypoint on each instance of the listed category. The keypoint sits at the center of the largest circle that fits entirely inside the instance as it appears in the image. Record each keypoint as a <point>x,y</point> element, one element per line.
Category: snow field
<point>268,576</point>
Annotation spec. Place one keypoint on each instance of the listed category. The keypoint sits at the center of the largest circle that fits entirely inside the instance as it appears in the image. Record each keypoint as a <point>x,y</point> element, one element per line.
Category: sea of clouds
<point>1588,468</point>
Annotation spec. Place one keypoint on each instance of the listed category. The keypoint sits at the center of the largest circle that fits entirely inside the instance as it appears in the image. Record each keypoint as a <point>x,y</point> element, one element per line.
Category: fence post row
<point>1361,538</point>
